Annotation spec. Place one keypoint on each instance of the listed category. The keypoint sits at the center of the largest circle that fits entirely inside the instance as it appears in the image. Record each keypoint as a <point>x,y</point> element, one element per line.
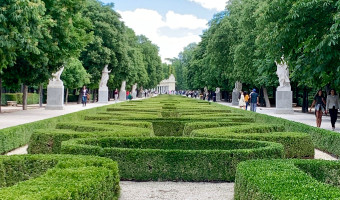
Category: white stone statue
<point>105,77</point>
<point>283,74</point>
<point>134,88</point>
<point>206,90</point>
<point>218,90</point>
<point>56,76</point>
<point>122,88</point>
<point>238,86</point>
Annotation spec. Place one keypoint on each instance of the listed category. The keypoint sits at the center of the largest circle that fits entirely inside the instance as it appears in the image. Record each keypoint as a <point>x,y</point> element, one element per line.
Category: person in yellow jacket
<point>246,99</point>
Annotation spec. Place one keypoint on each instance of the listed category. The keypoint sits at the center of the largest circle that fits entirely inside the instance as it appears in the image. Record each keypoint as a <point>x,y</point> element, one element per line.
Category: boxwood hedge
<point>287,179</point>
<point>175,158</point>
<point>38,177</point>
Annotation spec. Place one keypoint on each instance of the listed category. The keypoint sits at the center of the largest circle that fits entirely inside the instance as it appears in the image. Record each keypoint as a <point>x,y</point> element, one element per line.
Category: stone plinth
<point>122,95</point>
<point>218,97</point>
<point>134,95</point>
<point>284,101</point>
<point>235,96</point>
<point>55,95</point>
<point>103,95</point>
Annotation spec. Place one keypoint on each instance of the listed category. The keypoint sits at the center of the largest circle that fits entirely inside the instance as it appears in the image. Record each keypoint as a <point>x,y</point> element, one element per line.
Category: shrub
<point>168,128</point>
<point>48,141</point>
<point>173,158</point>
<point>287,179</point>
<point>35,177</point>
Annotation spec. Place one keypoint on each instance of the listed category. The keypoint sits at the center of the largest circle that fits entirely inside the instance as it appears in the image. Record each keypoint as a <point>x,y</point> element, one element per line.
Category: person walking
<point>332,106</point>
<point>319,102</point>
<point>246,99</point>
<point>242,102</point>
<point>116,95</point>
<point>254,100</point>
<point>84,93</point>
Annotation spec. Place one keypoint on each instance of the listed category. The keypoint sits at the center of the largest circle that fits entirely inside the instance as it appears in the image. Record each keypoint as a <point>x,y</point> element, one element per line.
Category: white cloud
<point>149,22</point>
<point>218,5</point>
<point>177,21</point>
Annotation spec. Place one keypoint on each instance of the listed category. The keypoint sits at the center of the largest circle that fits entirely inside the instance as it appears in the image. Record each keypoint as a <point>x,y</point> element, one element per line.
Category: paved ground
<point>306,118</point>
<point>13,116</point>
<point>155,190</point>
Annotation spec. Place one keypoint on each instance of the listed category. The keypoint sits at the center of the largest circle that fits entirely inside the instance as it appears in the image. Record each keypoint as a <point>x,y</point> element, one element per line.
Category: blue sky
<point>170,24</point>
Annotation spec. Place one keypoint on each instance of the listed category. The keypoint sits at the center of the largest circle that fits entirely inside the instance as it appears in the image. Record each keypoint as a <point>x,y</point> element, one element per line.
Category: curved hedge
<point>173,158</point>
<point>287,179</point>
<point>38,177</point>
<point>297,145</point>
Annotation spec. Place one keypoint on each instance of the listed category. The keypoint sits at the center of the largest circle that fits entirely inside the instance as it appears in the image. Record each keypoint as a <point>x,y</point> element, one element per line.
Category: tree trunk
<point>41,92</point>
<point>266,98</point>
<point>0,92</point>
<point>24,97</point>
<point>79,97</point>
<point>66,97</point>
<point>305,100</point>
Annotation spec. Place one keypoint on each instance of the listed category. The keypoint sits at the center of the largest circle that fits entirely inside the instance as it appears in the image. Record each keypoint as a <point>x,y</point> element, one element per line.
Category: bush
<point>175,159</point>
<point>14,137</point>
<point>287,179</point>
<point>48,141</point>
<point>35,177</point>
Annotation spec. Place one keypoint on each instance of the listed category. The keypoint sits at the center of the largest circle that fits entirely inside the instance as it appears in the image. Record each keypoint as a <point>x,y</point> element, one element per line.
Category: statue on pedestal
<point>122,88</point>
<point>238,86</point>
<point>283,74</point>
<point>105,77</point>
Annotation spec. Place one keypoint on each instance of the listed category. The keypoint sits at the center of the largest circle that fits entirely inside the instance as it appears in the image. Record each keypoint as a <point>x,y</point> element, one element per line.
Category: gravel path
<point>176,190</point>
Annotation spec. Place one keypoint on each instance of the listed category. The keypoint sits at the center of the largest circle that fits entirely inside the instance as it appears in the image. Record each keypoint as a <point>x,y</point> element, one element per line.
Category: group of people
<point>245,100</point>
<point>329,105</point>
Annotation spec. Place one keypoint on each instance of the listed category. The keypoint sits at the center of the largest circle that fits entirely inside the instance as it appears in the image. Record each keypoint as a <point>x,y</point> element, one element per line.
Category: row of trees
<point>37,37</point>
<point>243,43</point>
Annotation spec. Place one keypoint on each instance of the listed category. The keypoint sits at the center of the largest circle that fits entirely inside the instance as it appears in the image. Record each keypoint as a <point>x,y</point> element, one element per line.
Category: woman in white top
<point>242,102</point>
<point>332,106</point>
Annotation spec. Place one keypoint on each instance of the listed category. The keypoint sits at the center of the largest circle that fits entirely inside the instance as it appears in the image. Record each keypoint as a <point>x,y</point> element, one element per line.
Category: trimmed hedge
<point>48,141</point>
<point>17,136</point>
<point>38,177</point>
<point>287,179</point>
<point>175,159</point>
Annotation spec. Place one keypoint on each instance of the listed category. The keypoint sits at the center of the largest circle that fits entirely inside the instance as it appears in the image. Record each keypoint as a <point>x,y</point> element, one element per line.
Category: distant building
<point>167,86</point>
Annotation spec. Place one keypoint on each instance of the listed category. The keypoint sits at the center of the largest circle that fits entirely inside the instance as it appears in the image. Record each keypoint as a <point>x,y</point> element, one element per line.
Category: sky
<point>170,24</point>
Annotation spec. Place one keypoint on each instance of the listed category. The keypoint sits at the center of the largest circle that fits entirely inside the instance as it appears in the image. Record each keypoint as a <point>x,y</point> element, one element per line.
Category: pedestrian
<point>319,102</point>
<point>254,100</point>
<point>84,93</point>
<point>246,99</point>
<point>127,94</point>
<point>241,101</point>
<point>332,105</point>
<point>116,95</point>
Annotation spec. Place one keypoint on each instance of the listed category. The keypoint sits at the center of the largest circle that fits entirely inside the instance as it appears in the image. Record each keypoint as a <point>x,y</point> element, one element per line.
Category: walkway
<point>305,118</point>
<point>13,117</point>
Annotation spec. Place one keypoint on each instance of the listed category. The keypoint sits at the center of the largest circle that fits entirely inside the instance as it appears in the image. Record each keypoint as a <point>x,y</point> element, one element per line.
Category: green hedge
<point>14,137</point>
<point>325,140</point>
<point>48,141</point>
<point>32,98</point>
<point>287,179</point>
<point>189,127</point>
<point>173,158</point>
<point>38,177</point>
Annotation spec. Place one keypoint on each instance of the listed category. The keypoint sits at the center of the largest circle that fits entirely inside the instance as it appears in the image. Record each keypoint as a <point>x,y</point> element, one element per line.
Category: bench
<point>12,103</point>
<point>294,104</point>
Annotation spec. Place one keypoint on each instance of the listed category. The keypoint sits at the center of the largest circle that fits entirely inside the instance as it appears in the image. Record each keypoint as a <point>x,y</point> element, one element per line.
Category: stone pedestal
<point>284,101</point>
<point>218,97</point>
<point>103,95</point>
<point>55,95</point>
<point>122,95</point>
<point>235,96</point>
<point>134,95</point>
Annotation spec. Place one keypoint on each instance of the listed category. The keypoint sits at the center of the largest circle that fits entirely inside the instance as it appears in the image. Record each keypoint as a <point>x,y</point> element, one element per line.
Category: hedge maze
<point>172,138</point>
